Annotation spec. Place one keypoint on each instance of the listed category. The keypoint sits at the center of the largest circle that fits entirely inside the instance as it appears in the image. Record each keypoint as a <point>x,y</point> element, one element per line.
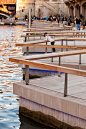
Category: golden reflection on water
<point>2,108</point>
<point>7,49</point>
<point>9,72</point>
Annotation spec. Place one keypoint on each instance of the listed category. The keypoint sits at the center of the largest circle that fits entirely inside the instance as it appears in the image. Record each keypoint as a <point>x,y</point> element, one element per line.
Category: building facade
<point>8,7</point>
<point>76,8</point>
<point>41,8</point>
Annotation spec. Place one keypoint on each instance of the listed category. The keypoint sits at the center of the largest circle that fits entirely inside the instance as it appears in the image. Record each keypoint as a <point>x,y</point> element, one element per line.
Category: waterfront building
<point>41,8</point>
<point>8,7</point>
<point>76,8</point>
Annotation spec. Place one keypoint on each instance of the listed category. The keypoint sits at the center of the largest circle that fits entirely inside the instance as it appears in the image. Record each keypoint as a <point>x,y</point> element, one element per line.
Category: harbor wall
<point>61,108</point>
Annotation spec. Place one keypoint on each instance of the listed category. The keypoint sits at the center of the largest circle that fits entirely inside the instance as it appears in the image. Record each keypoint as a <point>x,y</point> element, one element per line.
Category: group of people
<point>68,21</point>
<point>64,20</point>
<point>54,18</point>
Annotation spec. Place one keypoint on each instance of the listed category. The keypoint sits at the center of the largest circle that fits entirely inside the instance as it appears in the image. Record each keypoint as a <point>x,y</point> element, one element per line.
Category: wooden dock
<point>57,100</point>
<point>48,93</point>
<point>46,96</point>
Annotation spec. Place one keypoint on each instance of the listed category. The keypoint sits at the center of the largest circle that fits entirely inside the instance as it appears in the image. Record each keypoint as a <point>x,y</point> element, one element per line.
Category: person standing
<point>81,16</point>
<point>58,19</point>
<point>64,20</point>
<point>78,22</point>
<point>48,38</point>
<point>51,19</point>
<point>69,21</point>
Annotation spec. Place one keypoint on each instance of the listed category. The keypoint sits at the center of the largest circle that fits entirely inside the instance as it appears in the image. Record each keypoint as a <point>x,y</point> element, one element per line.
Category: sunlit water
<point>9,73</point>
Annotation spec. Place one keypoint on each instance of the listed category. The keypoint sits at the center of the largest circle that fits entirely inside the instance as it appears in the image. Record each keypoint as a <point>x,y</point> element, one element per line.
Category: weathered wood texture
<point>53,35</point>
<point>49,25</point>
<point>49,29</point>
<point>49,55</point>
<point>50,46</point>
<point>42,41</point>
<point>26,61</point>
<point>50,67</point>
<point>55,32</point>
<point>55,39</point>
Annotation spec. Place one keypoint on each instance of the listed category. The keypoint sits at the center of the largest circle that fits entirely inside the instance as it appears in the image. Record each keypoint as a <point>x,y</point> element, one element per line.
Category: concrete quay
<point>59,102</point>
<point>44,97</point>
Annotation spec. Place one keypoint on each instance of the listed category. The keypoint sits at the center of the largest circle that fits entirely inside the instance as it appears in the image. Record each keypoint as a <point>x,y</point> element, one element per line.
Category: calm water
<point>9,73</point>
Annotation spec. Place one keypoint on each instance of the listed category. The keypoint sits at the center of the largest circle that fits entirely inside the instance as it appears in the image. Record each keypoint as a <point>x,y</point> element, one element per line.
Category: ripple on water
<point>9,73</point>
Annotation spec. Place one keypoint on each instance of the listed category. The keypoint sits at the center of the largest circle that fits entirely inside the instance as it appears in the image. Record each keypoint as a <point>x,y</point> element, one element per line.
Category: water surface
<point>9,73</point>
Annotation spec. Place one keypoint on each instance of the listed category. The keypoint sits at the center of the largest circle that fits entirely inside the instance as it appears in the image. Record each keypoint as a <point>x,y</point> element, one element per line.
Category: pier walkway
<point>60,99</point>
<point>46,94</point>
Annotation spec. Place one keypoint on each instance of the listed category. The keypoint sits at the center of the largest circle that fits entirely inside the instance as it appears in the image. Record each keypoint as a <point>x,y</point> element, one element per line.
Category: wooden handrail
<point>50,55</point>
<point>50,67</point>
<point>48,29</point>
<point>53,35</point>
<point>50,46</point>
<point>31,32</point>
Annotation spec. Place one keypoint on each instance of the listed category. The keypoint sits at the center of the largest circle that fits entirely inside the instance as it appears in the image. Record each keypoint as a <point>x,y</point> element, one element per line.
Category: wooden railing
<point>54,34</point>
<point>26,61</point>
<point>29,60</point>
<point>35,44</point>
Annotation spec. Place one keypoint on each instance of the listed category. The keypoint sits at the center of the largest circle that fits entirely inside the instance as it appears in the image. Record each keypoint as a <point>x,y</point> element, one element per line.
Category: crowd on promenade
<point>65,20</point>
<point>68,21</point>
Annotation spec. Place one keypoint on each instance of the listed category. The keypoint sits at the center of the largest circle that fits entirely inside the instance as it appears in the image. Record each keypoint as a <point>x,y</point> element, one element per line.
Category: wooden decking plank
<point>52,67</point>
<point>48,29</point>
<point>56,39</point>
<point>62,32</point>
<point>50,46</point>
<point>50,55</point>
<point>51,35</point>
<point>43,41</point>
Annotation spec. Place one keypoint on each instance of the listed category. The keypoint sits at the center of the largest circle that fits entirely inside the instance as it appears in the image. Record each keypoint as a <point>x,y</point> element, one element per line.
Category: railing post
<point>62,45</point>
<point>28,36</point>
<point>80,59</point>
<point>25,39</point>
<point>34,36</point>
<point>59,74</point>
<point>66,45</point>
<point>81,34</point>
<point>74,42</point>
<point>65,85</point>
<point>27,68</point>
<point>40,35</point>
<point>27,50</point>
<point>27,74</point>
<point>52,57</point>
<point>46,48</point>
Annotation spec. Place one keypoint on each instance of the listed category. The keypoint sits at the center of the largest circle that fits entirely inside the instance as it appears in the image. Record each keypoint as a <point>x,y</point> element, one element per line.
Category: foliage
<point>57,15</point>
<point>83,22</point>
<point>25,16</point>
<point>33,34</point>
<point>72,20</point>
<point>34,16</point>
<point>50,16</point>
